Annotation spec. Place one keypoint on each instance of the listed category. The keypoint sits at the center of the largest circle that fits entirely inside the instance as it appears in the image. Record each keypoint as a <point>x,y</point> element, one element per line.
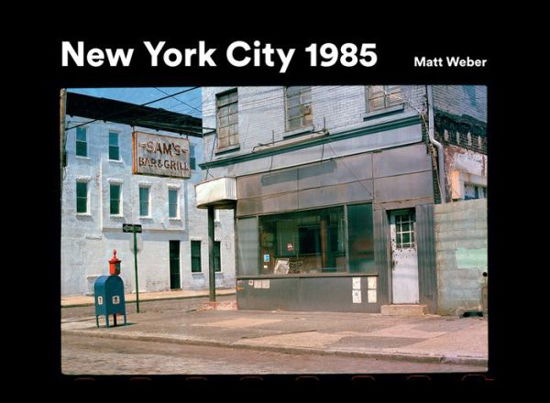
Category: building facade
<point>100,192</point>
<point>336,185</point>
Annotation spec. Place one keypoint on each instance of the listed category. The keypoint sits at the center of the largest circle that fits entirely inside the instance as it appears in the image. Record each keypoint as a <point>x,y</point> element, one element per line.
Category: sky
<point>187,103</point>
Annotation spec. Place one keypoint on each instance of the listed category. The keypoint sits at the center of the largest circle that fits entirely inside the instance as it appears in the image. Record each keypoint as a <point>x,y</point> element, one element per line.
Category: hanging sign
<point>160,155</point>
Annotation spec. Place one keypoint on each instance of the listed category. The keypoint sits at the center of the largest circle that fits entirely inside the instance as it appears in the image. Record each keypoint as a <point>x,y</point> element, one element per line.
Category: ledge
<point>360,130</point>
<point>225,150</point>
<point>384,112</point>
<point>297,132</point>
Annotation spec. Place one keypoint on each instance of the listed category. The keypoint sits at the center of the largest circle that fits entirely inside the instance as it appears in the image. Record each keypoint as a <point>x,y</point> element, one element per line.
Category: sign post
<point>134,228</point>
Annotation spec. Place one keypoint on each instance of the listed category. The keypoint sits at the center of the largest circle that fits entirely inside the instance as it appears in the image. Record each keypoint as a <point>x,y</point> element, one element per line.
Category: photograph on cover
<point>334,229</point>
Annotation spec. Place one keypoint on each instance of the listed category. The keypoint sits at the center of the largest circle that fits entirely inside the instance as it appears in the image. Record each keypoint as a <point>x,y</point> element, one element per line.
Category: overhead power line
<point>110,115</point>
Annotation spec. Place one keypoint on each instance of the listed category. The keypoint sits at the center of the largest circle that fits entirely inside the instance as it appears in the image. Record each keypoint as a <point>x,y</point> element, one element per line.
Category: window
<point>227,119</point>
<point>404,231</point>
<point>172,203</point>
<point>192,159</point>
<point>298,107</point>
<point>383,96</point>
<point>143,201</point>
<point>304,242</point>
<point>361,238</point>
<point>81,142</point>
<point>81,197</point>
<point>174,254</point>
<point>114,150</point>
<point>114,194</point>
<point>195,256</point>
<point>217,256</point>
<point>472,191</point>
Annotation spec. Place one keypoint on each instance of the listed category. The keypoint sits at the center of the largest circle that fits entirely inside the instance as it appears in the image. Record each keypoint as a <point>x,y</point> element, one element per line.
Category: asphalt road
<point>99,356</point>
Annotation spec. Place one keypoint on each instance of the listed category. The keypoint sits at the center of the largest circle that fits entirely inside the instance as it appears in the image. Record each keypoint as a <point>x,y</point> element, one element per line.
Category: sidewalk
<point>85,300</point>
<point>428,338</point>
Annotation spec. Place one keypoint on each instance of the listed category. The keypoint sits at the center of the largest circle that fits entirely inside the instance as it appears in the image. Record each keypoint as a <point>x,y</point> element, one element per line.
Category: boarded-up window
<point>298,107</point>
<point>383,96</point>
<point>227,119</point>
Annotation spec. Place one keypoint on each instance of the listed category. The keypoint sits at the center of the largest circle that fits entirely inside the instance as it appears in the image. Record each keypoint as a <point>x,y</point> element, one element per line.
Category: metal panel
<point>404,187</point>
<point>338,194</point>
<point>398,161</point>
<point>427,272</point>
<point>248,246</point>
<point>331,293</point>
<point>381,254</point>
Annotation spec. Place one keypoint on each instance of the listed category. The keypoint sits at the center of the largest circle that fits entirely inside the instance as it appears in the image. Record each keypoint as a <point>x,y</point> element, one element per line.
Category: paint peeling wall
<point>461,255</point>
<point>462,168</point>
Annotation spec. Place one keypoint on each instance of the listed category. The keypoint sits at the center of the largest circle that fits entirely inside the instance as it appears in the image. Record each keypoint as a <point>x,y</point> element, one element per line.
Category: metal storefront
<point>308,203</point>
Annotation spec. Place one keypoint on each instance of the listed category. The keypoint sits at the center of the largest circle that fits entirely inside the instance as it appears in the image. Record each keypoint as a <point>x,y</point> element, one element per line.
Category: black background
<point>39,102</point>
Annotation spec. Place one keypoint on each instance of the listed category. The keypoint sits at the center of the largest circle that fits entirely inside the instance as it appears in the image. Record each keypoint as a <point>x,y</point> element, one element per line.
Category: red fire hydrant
<point>114,265</point>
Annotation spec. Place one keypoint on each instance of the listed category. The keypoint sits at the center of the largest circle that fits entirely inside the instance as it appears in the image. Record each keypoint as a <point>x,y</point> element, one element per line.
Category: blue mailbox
<point>109,298</point>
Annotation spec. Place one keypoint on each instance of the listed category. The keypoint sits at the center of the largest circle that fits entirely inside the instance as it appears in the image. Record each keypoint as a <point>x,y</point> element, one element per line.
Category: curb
<point>150,300</point>
<point>477,361</point>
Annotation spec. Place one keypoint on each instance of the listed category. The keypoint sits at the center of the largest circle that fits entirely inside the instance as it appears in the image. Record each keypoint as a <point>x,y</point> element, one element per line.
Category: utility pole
<point>62,109</point>
<point>211,272</point>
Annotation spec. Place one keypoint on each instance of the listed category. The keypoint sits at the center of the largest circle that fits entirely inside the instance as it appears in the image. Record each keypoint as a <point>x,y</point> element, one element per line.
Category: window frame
<point>303,123</point>
<point>119,185</point>
<point>85,141</point>
<point>87,197</point>
<point>111,146</point>
<point>177,203</point>
<point>219,126</point>
<point>217,256</point>
<point>148,187</point>
<point>387,94</point>
<point>194,256</point>
<point>192,157</point>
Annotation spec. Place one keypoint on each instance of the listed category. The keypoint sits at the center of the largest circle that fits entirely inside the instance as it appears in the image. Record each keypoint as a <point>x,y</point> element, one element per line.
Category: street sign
<point>134,228</point>
<point>131,228</point>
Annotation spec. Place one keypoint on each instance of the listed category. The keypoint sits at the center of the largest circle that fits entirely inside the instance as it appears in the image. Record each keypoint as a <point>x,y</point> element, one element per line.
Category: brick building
<point>100,192</point>
<point>333,188</point>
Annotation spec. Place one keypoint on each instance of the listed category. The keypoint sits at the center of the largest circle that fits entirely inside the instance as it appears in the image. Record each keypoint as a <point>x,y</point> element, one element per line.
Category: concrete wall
<point>88,240</point>
<point>461,250</point>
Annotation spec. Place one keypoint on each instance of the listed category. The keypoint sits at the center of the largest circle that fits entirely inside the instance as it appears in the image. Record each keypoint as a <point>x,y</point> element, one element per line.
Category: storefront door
<point>404,271</point>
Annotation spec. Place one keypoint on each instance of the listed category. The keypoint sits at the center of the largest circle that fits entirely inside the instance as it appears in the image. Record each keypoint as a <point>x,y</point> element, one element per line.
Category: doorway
<point>175,282</point>
<point>404,262</point>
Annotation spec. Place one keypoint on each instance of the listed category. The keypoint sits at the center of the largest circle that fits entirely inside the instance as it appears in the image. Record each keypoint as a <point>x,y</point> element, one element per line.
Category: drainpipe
<point>440,153</point>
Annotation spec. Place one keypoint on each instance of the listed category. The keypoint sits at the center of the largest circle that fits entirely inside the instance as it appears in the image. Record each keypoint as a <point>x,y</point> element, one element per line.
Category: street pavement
<point>427,338</point>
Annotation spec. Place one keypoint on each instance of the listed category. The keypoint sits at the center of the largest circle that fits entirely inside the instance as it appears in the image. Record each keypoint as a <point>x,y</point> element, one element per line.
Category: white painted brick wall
<point>88,240</point>
<point>262,111</point>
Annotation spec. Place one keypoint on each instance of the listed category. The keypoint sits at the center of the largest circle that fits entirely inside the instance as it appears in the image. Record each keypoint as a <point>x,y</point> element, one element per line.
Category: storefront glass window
<point>361,239</point>
<point>303,242</point>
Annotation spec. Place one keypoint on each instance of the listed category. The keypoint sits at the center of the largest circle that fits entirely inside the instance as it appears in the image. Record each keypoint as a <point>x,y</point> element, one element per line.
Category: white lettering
<point>154,52</point>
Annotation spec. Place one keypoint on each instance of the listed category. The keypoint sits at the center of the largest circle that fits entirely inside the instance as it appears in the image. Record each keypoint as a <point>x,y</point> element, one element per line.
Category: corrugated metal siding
<point>427,274</point>
<point>381,254</point>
